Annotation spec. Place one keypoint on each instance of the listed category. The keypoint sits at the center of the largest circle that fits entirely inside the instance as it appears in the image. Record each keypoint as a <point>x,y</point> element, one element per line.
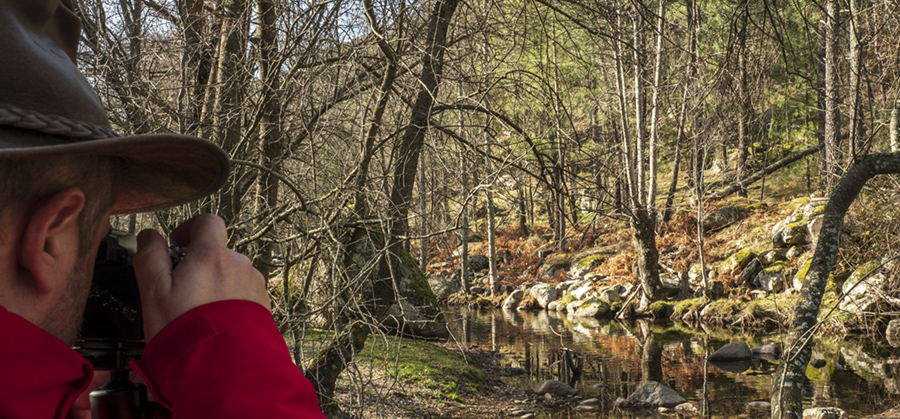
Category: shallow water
<point>617,357</point>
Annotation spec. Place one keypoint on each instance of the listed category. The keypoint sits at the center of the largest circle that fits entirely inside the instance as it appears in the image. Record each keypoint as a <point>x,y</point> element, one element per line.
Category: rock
<point>892,332</point>
<point>794,233</point>
<point>814,228</point>
<point>595,309</point>
<point>750,271</point>
<point>738,261</point>
<point>734,351</point>
<point>694,273</point>
<point>818,363</point>
<point>587,261</point>
<point>556,262</point>
<point>609,295</point>
<point>543,294</point>
<point>824,413</point>
<point>772,256</point>
<point>513,300</point>
<point>758,409</point>
<point>671,284</point>
<point>771,279</point>
<point>478,263</point>
<point>687,410</point>
<point>555,388</point>
<point>552,306</point>
<point>769,350</point>
<point>861,288</point>
<point>443,285</point>
<point>581,290</point>
<point>653,394</point>
<point>794,252</point>
<point>726,215</point>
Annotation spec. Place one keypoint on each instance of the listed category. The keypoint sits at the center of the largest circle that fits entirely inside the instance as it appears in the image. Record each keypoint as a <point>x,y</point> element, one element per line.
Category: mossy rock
<point>739,260</point>
<point>587,264</point>
<point>683,307</point>
<point>555,262</point>
<point>662,309</point>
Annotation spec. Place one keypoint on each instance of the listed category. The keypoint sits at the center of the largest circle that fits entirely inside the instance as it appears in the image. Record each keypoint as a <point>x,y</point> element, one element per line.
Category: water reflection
<point>608,359</point>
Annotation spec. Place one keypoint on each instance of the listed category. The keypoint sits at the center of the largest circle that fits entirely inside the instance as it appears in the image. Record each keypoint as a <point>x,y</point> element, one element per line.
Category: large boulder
<point>731,352</point>
<point>555,388</point>
<point>543,294</point>
<point>738,261</point>
<point>585,262</point>
<point>513,300</point>
<point>443,285</point>
<point>861,289</point>
<point>595,309</point>
<point>652,394</point>
<point>421,315</point>
<point>771,279</point>
<point>824,413</point>
<point>750,271</point>
<point>478,263</point>
<point>581,290</point>
<point>556,262</point>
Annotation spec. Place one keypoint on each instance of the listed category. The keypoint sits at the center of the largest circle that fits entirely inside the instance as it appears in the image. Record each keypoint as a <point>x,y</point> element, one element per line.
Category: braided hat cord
<point>14,117</point>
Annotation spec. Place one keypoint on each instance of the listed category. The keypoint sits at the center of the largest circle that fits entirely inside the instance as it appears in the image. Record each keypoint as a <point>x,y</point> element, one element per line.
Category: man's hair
<point>24,182</point>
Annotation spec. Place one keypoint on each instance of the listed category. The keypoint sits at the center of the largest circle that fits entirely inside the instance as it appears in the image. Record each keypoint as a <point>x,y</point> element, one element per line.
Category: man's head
<point>64,170</point>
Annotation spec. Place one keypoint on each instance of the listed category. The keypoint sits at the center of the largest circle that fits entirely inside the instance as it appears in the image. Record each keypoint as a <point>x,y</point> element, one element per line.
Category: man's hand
<point>209,272</point>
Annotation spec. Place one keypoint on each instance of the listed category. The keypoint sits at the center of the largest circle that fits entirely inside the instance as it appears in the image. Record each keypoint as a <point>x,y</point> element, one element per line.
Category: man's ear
<point>50,238</point>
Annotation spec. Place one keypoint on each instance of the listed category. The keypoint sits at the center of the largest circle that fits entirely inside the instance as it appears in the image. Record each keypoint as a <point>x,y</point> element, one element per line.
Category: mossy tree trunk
<point>787,390</point>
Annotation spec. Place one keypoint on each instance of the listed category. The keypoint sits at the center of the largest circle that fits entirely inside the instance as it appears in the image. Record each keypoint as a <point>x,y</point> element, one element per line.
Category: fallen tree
<point>749,180</point>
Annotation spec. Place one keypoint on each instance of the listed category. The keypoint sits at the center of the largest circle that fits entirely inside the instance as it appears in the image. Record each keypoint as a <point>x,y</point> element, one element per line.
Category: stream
<point>614,358</point>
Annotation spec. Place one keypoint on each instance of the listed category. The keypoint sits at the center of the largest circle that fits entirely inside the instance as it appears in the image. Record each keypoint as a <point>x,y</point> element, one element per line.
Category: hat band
<point>14,117</point>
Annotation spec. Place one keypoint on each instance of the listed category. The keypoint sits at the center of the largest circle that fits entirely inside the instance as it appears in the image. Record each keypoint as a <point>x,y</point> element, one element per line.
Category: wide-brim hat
<point>48,108</point>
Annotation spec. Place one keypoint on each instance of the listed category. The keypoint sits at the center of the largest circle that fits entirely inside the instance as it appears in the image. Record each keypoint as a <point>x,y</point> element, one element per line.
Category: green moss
<point>692,304</point>
<point>661,309</point>
<point>556,261</point>
<point>740,259</point>
<point>588,263</point>
<point>440,370</point>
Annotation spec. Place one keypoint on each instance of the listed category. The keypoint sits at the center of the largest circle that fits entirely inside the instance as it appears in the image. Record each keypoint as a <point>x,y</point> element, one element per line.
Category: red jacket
<point>221,360</point>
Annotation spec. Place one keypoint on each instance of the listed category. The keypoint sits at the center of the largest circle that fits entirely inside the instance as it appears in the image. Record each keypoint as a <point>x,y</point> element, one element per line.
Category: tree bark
<point>832,115</point>
<point>856,128</point>
<point>787,390</point>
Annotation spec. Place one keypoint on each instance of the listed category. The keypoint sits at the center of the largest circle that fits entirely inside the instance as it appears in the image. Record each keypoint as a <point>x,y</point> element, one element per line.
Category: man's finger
<point>152,265</point>
<point>205,228</point>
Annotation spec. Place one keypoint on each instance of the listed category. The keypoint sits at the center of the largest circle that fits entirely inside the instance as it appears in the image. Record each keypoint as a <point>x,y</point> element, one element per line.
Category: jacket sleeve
<point>226,360</point>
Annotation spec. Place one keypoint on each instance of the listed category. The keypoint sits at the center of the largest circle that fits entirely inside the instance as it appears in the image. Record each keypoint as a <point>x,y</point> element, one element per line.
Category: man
<point>213,349</point>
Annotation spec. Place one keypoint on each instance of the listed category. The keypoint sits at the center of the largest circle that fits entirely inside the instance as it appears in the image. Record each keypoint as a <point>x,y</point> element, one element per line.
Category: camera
<point>112,331</point>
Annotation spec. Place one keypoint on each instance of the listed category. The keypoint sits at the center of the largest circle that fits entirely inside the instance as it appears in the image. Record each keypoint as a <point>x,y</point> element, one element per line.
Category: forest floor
<point>449,382</point>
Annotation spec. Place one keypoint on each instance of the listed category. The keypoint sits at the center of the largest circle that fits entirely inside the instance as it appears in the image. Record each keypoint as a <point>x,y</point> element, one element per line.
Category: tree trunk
<point>226,108</point>
<point>832,115</point>
<point>654,116</point>
<point>643,239</point>
<point>746,109</point>
<point>682,113</point>
<point>787,390</point>
<point>270,141</point>
<point>856,128</point>
<point>492,233</point>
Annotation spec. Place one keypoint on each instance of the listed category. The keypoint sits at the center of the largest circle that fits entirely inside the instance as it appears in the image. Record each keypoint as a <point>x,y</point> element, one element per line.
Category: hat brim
<point>159,170</point>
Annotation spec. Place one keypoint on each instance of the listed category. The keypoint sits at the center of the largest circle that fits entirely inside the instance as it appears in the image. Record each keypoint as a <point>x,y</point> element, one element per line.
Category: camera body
<point>112,330</point>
